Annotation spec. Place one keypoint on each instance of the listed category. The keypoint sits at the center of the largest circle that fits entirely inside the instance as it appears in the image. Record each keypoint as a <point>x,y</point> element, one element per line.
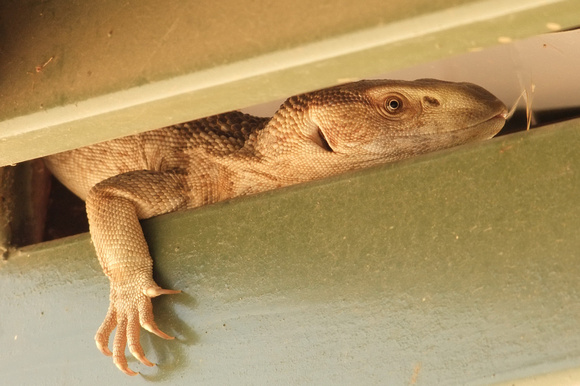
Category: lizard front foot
<point>130,309</point>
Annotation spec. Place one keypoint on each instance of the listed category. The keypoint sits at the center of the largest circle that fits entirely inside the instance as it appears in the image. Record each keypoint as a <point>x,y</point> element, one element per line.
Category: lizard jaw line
<point>500,116</point>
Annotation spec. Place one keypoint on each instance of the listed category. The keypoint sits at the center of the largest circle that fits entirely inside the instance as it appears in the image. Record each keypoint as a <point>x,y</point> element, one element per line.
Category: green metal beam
<point>73,75</point>
<point>458,267</point>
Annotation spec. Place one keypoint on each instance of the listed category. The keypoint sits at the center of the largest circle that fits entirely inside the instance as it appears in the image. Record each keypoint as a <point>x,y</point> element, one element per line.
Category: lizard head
<point>377,121</point>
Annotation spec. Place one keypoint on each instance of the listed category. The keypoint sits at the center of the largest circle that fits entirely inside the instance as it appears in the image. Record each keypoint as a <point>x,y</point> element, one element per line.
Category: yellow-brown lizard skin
<point>184,166</point>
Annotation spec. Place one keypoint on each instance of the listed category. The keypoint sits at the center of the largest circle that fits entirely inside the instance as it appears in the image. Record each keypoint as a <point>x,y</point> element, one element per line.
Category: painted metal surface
<point>459,267</point>
<point>89,72</point>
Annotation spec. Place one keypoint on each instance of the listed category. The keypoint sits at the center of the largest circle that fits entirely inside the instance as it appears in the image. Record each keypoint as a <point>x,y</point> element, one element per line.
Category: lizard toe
<point>133,333</point>
<point>105,330</point>
<point>146,312</point>
<point>119,344</point>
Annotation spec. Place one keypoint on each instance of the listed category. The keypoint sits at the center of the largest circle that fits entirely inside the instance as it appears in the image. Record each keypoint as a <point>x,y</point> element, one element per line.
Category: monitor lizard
<point>311,136</point>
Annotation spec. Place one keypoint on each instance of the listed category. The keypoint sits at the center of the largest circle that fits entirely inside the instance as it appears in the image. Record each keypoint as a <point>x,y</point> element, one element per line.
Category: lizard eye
<point>393,104</point>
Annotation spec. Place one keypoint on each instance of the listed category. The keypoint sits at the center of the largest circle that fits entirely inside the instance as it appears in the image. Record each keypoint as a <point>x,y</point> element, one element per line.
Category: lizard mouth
<point>493,124</point>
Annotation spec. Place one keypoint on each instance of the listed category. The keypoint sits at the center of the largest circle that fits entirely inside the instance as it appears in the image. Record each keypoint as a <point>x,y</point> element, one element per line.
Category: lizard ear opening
<point>319,138</point>
<point>314,132</point>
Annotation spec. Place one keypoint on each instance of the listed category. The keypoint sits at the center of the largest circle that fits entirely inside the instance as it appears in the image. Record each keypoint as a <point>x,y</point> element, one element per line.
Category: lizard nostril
<point>431,101</point>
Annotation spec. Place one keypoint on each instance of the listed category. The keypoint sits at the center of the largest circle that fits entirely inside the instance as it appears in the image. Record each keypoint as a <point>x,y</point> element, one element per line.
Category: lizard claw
<point>152,328</point>
<point>129,310</point>
<point>104,349</point>
<point>155,291</point>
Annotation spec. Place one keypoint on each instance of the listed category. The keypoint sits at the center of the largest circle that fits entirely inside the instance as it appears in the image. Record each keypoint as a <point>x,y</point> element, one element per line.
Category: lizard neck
<point>291,147</point>
<point>290,133</point>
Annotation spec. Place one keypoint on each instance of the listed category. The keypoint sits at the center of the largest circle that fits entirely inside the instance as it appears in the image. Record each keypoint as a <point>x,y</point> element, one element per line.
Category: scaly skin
<point>184,166</point>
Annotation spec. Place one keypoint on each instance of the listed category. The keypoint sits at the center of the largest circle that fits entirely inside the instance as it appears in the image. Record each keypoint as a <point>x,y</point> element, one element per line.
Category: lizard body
<point>311,136</point>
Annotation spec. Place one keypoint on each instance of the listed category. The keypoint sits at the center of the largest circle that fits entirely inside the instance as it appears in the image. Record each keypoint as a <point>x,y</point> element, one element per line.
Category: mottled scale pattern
<point>223,134</point>
<point>196,163</point>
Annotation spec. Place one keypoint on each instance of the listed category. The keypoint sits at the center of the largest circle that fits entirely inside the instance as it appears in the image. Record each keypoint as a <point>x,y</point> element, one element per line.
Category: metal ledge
<point>458,267</point>
<point>92,72</point>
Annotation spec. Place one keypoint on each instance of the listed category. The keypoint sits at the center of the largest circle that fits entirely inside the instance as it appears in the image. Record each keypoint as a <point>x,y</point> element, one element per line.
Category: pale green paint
<point>460,266</point>
<point>119,69</point>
